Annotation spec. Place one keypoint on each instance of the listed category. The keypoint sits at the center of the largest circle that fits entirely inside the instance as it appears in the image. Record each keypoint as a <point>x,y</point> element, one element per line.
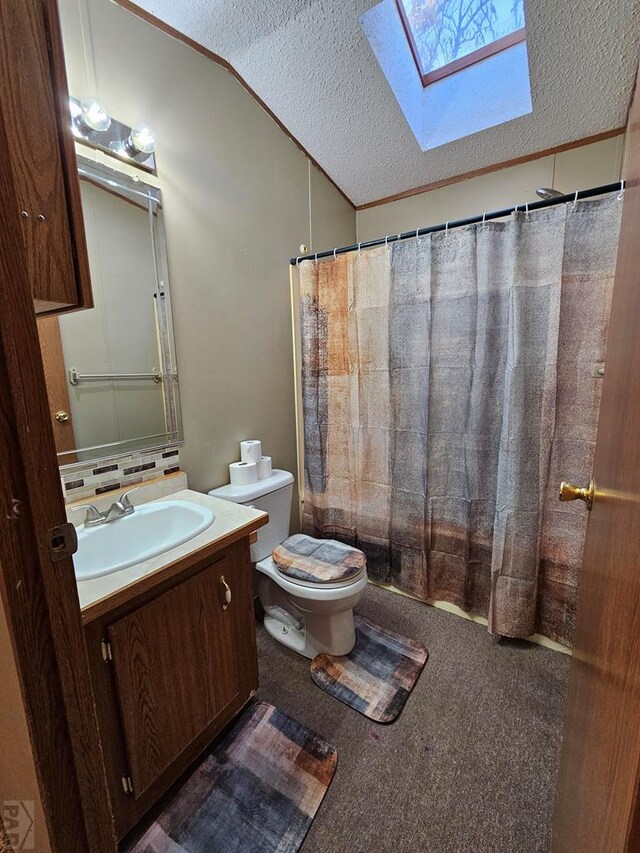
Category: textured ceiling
<point>311,64</point>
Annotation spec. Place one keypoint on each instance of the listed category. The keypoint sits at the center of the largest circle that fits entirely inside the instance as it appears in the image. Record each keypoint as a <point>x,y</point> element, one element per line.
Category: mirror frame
<point>133,189</point>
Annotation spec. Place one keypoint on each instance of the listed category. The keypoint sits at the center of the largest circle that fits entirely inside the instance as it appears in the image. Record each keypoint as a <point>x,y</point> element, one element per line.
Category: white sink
<point>150,530</point>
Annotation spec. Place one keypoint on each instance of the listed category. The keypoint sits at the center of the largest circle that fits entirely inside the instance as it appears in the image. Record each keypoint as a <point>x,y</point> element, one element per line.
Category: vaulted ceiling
<point>311,63</point>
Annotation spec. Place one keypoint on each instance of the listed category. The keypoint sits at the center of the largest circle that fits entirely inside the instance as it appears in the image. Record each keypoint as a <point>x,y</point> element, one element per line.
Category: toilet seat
<point>321,584</point>
<point>305,559</point>
<point>313,591</point>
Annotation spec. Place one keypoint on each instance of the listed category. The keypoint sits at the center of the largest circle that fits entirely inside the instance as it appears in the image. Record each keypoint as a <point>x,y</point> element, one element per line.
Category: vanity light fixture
<point>141,140</point>
<point>93,126</point>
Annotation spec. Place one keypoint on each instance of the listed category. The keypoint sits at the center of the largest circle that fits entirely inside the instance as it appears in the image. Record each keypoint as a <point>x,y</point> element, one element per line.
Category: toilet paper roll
<point>264,467</point>
<point>243,473</point>
<point>250,451</point>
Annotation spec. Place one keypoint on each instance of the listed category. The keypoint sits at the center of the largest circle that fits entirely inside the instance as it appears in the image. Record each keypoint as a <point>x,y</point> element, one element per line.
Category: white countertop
<point>229,517</point>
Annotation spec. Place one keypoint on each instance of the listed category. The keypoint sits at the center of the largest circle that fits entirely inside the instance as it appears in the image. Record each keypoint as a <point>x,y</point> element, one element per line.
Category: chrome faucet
<point>93,516</point>
<point>118,509</point>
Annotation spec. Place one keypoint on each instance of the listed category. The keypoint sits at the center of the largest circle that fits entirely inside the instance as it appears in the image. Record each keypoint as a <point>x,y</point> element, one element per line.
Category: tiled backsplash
<point>118,473</point>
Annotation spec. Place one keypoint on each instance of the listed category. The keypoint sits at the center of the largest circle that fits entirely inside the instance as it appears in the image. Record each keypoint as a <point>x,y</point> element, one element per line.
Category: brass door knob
<point>62,417</point>
<point>569,492</point>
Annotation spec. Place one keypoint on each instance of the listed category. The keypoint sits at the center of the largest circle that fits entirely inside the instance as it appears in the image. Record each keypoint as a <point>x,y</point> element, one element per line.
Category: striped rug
<point>377,677</point>
<point>256,792</point>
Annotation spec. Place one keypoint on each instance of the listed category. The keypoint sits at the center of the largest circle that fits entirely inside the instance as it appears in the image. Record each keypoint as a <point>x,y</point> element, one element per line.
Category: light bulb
<point>95,116</point>
<point>142,140</point>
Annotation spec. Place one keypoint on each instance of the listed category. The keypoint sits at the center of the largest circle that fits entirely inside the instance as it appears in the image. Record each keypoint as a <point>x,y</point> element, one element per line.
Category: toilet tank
<point>272,495</point>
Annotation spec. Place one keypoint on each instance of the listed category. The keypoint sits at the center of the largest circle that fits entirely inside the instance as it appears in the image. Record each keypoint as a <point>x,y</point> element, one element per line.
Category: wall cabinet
<point>34,109</point>
<point>171,668</point>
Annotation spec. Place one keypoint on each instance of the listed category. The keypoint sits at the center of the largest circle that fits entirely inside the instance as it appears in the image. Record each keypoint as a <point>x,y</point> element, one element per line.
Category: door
<point>57,391</point>
<point>42,640</point>
<point>178,666</point>
<point>597,799</point>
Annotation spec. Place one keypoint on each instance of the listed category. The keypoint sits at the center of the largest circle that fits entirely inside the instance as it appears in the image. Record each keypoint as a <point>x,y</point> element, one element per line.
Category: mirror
<point>111,371</point>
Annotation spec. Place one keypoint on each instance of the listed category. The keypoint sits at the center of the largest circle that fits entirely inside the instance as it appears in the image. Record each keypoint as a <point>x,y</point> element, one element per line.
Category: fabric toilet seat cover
<point>318,560</point>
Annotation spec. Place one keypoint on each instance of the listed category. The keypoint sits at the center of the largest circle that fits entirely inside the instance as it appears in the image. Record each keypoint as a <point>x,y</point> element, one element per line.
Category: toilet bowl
<point>308,617</point>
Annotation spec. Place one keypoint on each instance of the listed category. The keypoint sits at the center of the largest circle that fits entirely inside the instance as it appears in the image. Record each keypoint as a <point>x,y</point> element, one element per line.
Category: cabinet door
<point>179,662</point>
<point>35,112</point>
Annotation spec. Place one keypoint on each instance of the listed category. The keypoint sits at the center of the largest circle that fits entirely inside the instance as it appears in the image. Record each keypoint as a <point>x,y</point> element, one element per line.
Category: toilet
<point>308,616</point>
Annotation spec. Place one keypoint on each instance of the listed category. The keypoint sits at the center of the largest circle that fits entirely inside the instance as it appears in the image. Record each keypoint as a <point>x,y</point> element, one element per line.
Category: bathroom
<point>260,265</point>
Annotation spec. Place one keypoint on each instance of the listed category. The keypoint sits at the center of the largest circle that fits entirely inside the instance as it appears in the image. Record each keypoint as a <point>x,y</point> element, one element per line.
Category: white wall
<point>239,199</point>
<point>579,168</point>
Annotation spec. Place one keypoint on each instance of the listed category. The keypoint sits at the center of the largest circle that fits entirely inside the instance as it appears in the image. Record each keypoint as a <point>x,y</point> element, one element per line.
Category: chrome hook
<point>621,195</point>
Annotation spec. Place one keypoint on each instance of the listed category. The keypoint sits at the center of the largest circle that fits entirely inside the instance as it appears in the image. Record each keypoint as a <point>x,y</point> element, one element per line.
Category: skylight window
<point>448,35</point>
<point>487,52</point>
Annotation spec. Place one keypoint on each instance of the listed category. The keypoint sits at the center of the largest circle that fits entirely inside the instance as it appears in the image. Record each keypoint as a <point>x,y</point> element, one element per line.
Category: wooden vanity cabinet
<point>34,110</point>
<point>171,667</point>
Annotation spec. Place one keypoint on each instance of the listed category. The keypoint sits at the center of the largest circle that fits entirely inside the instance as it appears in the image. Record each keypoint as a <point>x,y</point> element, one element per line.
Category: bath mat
<point>377,677</point>
<point>256,792</point>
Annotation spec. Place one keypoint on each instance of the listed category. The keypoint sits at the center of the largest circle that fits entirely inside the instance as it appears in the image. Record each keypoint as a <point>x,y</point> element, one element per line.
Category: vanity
<point>164,576</point>
<point>171,647</point>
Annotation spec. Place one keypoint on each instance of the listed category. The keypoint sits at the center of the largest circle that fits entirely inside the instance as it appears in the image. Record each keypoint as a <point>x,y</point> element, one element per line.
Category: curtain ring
<point>526,209</point>
<point>417,235</point>
<point>334,254</point>
<point>446,227</point>
<point>484,217</point>
<point>359,248</point>
<point>316,259</point>
<point>575,198</point>
<point>386,241</point>
<point>621,195</point>
<point>298,261</point>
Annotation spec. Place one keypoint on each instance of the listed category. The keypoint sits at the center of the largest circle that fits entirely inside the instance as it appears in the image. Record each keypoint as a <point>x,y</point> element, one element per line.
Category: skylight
<point>448,35</point>
<point>490,85</point>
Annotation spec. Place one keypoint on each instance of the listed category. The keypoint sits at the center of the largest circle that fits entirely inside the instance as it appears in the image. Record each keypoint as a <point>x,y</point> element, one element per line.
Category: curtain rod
<point>459,223</point>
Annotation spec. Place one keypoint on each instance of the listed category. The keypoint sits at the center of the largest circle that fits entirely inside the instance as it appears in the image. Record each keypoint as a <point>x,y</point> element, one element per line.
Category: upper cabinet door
<point>34,110</point>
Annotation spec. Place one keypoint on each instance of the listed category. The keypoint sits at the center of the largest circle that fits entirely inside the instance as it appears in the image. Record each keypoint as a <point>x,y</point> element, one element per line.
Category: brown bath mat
<point>256,792</point>
<point>377,677</point>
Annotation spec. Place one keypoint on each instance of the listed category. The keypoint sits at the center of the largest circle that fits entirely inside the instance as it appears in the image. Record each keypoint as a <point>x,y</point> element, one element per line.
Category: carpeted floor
<point>470,764</point>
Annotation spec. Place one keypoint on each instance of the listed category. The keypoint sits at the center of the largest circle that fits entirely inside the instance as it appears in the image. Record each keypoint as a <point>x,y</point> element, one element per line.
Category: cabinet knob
<point>62,417</point>
<point>227,592</point>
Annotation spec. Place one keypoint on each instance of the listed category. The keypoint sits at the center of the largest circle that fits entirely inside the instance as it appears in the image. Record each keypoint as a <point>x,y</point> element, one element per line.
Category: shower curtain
<point>448,387</point>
